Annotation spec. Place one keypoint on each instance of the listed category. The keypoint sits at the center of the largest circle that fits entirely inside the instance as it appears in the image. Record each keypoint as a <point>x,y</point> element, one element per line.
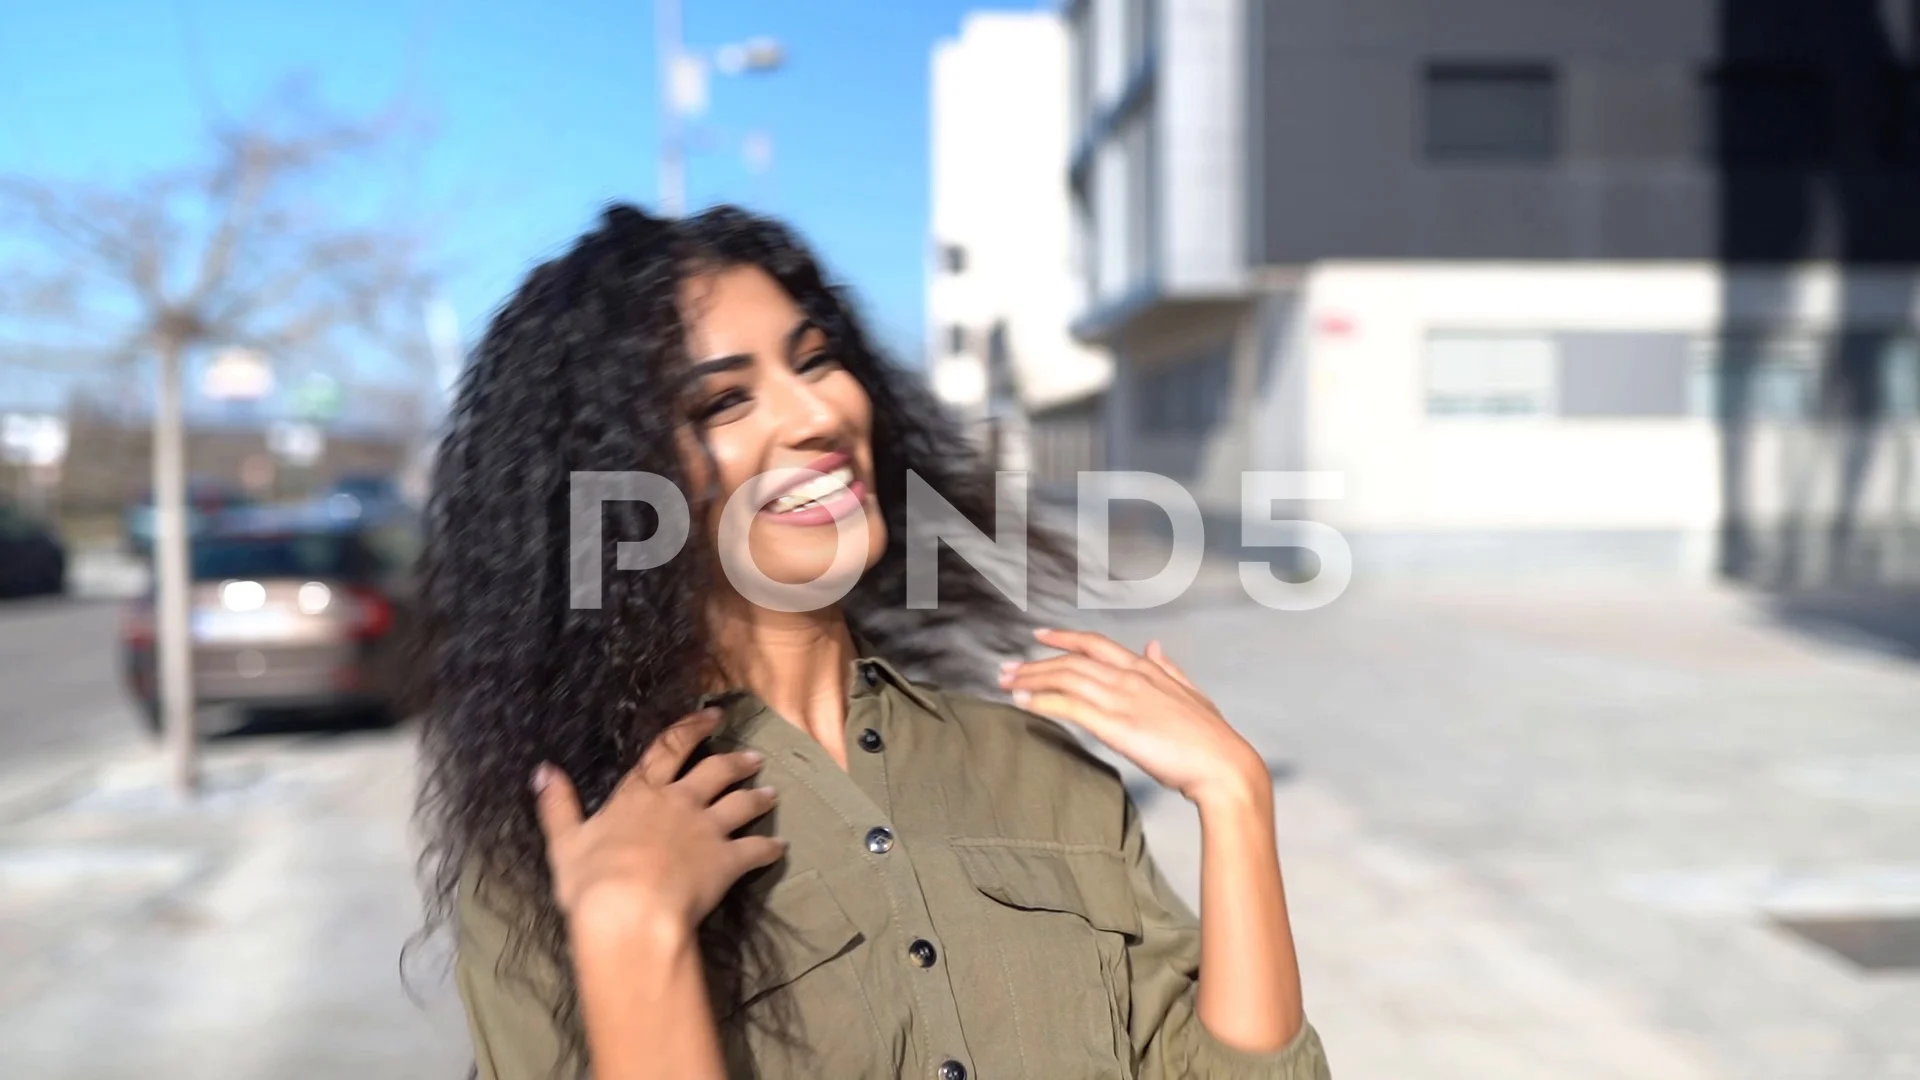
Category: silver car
<point>290,609</point>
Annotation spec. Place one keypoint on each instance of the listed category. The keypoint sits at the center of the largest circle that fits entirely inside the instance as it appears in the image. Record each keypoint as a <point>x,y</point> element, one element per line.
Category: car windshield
<point>369,484</point>
<point>13,523</point>
<point>315,555</point>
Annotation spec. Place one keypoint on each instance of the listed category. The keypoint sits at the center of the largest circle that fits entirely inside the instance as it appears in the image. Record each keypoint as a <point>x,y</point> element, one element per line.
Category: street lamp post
<point>683,89</point>
<point>673,162</point>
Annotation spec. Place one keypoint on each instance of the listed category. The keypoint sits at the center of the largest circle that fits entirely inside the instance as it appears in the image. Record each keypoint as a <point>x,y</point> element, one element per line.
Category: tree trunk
<point>173,642</point>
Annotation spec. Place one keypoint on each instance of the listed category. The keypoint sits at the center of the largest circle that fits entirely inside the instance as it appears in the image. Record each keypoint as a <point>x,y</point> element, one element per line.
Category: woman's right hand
<point>660,854</point>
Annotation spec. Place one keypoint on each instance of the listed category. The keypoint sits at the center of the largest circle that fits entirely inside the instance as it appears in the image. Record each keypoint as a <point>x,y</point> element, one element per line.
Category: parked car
<point>357,495</point>
<point>206,500</point>
<point>290,608</point>
<point>33,562</point>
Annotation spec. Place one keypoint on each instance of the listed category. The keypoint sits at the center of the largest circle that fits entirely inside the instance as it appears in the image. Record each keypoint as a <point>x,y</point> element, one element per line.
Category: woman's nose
<point>801,413</point>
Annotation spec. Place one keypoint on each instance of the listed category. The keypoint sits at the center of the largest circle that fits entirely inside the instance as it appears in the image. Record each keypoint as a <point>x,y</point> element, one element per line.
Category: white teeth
<point>813,491</point>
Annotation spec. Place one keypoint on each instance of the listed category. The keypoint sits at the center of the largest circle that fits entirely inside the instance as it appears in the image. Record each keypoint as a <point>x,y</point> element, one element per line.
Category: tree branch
<point>270,261</point>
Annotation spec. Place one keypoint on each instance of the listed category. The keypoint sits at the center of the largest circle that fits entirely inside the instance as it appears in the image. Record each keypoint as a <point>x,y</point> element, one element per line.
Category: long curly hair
<point>577,372</point>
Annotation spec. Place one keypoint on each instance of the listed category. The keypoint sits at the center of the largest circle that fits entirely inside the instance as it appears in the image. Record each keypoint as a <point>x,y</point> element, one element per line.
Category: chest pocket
<point>802,927</point>
<point>1059,921</point>
<point>797,990</point>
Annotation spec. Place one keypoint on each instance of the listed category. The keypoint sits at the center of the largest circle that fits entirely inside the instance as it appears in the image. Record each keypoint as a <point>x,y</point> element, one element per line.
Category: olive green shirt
<point>970,898</point>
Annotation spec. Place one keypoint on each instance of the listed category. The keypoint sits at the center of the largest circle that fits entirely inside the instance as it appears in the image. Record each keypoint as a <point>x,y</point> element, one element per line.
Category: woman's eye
<point>819,361</point>
<point>719,403</point>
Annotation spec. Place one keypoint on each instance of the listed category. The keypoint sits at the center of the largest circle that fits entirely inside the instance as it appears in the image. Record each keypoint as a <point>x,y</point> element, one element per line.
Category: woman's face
<point>767,393</point>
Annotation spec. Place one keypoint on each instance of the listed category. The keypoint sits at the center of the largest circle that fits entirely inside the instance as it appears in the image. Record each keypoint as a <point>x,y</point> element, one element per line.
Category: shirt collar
<point>740,703</point>
<point>892,676</point>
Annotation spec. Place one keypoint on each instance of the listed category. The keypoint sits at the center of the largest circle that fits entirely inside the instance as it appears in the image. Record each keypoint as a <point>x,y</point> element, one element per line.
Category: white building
<point>1003,286</point>
<point>1552,283</point>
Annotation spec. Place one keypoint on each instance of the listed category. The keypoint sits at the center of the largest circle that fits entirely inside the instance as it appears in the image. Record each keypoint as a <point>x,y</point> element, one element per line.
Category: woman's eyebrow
<point>721,364</point>
<point>716,366</point>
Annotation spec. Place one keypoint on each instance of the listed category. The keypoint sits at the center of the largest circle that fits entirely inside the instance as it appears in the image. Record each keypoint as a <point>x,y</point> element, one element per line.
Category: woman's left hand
<point>1143,706</point>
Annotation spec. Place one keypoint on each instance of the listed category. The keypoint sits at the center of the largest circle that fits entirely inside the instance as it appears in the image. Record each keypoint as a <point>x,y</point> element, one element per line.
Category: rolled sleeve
<point>1169,1040</point>
<point>1183,1047</point>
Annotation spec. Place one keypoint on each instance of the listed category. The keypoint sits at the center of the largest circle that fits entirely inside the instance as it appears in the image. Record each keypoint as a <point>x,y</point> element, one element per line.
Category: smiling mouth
<point>823,490</point>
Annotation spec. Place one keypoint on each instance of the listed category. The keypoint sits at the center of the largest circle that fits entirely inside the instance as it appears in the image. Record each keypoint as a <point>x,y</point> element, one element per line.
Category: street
<point>1527,834</point>
<point>257,933</point>
<point>60,686</point>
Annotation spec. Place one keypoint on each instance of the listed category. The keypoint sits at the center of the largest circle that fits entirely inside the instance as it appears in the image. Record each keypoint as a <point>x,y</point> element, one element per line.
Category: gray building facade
<point>1230,152</point>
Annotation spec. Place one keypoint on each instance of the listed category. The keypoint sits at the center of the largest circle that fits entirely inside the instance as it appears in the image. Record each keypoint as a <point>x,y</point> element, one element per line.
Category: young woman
<point>688,832</point>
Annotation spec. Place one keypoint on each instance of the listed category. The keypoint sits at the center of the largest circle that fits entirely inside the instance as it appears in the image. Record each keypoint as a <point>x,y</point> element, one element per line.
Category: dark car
<point>363,495</point>
<point>206,501</point>
<point>291,608</point>
<point>33,562</point>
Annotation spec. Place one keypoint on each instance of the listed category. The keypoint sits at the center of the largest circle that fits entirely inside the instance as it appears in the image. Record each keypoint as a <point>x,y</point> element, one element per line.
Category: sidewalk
<point>1527,836</point>
<point>256,934</point>
<point>1552,834</point>
<point>1414,970</point>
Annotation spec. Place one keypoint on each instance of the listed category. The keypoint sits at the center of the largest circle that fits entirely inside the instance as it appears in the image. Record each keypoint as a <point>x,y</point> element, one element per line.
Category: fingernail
<point>1008,665</point>
<point>542,776</point>
<point>754,757</point>
<point>772,795</point>
<point>1022,697</point>
<point>1041,631</point>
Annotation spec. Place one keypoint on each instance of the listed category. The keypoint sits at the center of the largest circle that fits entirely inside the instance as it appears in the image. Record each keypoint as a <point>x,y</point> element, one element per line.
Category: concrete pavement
<point>1542,835</point>
<point>1549,834</point>
<point>255,934</point>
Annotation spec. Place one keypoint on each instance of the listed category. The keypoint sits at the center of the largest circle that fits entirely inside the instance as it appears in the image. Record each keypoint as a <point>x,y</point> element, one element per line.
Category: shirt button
<point>922,952</point>
<point>880,840</point>
<point>952,1070</point>
<point>870,741</point>
<point>869,675</point>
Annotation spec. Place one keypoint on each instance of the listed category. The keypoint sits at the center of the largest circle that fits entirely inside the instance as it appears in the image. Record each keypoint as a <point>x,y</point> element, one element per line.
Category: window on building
<point>956,339</point>
<point>1142,30</point>
<point>1114,225</point>
<point>1085,246</point>
<point>1756,376</point>
<point>1770,114</point>
<point>1080,27</point>
<point>1777,376</point>
<point>953,258</point>
<point>1137,144</point>
<point>1492,113</point>
<point>1621,373</point>
<point>1002,393</point>
<point>1899,18</point>
<point>1490,374</point>
<point>1905,150</point>
<point>1900,380</point>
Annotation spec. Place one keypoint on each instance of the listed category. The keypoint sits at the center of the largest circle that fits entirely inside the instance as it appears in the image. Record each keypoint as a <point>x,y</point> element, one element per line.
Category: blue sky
<point>540,112</point>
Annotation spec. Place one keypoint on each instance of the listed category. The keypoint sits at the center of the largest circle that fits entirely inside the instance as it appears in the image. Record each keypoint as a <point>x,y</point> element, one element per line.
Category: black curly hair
<point>577,372</point>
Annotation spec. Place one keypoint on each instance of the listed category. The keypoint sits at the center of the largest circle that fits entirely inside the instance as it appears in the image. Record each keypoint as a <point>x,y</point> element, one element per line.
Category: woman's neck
<point>796,662</point>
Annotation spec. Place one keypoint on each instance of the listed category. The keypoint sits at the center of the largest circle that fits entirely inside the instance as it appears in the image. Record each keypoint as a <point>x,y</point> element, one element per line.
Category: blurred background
<point>1605,764</point>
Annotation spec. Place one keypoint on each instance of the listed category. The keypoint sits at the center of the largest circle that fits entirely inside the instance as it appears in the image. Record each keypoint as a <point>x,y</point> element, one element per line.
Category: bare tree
<point>275,244</point>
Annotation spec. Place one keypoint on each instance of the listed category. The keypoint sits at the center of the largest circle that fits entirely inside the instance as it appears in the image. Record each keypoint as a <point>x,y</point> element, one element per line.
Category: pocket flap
<point>1091,883</point>
<point>803,927</point>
